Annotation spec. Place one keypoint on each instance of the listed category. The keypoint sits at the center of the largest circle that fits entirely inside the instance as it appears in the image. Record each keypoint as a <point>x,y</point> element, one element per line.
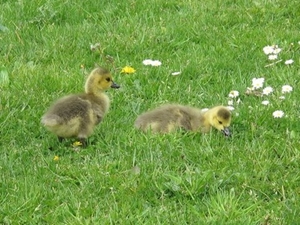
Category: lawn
<point>128,177</point>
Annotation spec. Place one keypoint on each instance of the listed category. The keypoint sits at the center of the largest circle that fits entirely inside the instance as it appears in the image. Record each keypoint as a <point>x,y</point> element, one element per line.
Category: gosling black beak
<point>114,85</point>
<point>226,132</point>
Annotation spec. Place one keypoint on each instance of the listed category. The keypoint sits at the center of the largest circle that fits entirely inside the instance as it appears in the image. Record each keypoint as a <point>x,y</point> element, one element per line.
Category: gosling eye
<point>108,79</point>
<point>220,122</point>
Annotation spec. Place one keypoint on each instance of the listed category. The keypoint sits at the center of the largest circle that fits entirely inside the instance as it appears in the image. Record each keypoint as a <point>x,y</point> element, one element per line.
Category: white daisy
<point>267,90</point>
<point>277,50</point>
<point>268,50</point>
<point>233,94</point>
<point>95,46</point>
<point>258,82</point>
<point>230,108</point>
<point>156,63</point>
<point>204,109</point>
<point>147,62</point>
<point>230,102</point>
<point>282,97</point>
<point>289,62</point>
<point>286,89</point>
<point>176,73</point>
<point>272,57</point>
<point>278,114</point>
<point>266,102</point>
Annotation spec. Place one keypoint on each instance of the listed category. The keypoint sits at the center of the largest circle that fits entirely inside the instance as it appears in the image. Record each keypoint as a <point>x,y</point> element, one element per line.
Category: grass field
<point>125,176</point>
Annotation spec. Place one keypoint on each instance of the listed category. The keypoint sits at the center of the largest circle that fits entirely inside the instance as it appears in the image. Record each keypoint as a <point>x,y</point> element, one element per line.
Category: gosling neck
<point>94,91</point>
<point>208,115</point>
<point>90,88</point>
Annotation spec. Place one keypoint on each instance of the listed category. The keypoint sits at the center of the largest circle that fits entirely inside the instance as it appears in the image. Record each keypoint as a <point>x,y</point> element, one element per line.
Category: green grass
<point>184,178</point>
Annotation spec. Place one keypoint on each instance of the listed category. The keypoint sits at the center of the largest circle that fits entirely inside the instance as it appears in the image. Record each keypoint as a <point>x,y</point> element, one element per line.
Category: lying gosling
<point>168,118</point>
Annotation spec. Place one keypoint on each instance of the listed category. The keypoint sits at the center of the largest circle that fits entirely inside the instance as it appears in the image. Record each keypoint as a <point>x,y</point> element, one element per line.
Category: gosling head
<point>99,80</point>
<point>221,119</point>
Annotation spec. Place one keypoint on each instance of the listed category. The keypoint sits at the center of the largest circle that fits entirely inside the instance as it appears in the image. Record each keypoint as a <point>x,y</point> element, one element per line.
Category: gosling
<point>77,115</point>
<point>168,118</point>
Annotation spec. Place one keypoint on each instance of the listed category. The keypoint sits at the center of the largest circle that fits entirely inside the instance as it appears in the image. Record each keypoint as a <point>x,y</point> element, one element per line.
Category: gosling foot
<point>83,141</point>
<point>60,139</point>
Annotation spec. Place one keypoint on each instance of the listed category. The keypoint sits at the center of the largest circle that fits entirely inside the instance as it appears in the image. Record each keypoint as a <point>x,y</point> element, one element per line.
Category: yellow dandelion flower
<point>56,158</point>
<point>128,70</point>
<point>77,143</point>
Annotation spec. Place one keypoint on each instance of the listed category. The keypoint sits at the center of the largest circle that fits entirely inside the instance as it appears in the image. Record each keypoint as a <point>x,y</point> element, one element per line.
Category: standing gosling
<point>77,115</point>
<point>168,118</point>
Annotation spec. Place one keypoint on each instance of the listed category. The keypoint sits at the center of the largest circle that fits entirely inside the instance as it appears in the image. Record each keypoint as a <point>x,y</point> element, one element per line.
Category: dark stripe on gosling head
<point>224,113</point>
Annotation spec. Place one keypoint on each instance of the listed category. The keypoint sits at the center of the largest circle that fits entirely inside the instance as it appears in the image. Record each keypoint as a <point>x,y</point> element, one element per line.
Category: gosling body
<point>168,118</point>
<point>77,115</point>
